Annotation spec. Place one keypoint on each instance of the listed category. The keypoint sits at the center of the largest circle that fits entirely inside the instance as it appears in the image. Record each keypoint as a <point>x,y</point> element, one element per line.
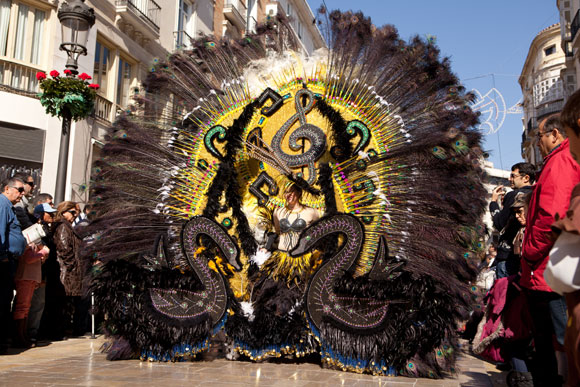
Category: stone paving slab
<point>78,362</point>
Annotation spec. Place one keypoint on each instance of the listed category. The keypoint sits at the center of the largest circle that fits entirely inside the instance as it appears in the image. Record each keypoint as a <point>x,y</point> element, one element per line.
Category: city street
<point>293,184</point>
<point>79,362</point>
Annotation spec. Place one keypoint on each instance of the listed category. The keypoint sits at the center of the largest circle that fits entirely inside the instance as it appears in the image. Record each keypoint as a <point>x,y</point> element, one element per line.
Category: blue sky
<point>481,38</point>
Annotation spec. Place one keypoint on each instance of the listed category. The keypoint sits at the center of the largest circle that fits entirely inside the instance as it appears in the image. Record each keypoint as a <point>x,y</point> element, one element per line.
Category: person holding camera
<point>521,179</point>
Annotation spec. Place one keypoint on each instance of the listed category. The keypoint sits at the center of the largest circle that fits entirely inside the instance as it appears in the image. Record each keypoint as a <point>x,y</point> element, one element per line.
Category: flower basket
<point>67,96</point>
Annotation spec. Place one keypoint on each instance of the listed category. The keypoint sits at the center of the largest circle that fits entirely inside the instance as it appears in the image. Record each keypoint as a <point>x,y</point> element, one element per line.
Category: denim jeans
<point>559,317</point>
<point>546,325</point>
<point>36,310</point>
<point>507,268</point>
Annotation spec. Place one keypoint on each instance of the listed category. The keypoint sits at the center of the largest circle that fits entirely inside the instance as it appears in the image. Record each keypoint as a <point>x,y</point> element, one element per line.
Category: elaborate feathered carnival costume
<point>375,139</point>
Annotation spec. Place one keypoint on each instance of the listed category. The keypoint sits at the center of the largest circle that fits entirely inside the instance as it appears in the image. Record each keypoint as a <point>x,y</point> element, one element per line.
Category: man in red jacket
<point>551,195</point>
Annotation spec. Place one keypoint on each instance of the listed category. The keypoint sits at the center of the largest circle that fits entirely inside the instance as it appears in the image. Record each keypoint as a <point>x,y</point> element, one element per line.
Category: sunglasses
<point>72,212</point>
<point>19,189</point>
<point>30,183</point>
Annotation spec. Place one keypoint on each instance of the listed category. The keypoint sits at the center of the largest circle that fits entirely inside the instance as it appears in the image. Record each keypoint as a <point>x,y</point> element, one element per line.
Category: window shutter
<point>22,144</point>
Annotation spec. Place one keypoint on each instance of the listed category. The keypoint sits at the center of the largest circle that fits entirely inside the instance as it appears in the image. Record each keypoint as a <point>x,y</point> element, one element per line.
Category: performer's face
<point>291,196</point>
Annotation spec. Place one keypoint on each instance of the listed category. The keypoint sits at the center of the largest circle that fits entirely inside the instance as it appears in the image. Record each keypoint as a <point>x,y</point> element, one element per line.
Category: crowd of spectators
<point>41,294</point>
<point>531,321</point>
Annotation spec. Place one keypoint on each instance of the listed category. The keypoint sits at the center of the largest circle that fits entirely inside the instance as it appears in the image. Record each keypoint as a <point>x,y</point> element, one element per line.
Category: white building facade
<point>542,87</point>
<point>570,42</point>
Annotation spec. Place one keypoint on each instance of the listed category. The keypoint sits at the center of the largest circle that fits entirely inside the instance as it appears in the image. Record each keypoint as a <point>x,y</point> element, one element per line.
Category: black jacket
<point>505,222</point>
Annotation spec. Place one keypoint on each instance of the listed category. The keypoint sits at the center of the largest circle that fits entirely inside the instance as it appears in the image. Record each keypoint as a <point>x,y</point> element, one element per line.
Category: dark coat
<point>68,247</point>
<point>505,222</point>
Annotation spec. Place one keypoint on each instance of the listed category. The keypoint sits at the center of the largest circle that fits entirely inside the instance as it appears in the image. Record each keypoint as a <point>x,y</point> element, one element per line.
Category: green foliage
<point>72,95</point>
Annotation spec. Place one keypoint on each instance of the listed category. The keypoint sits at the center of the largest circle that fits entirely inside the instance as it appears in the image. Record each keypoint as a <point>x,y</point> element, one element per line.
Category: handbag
<point>562,272</point>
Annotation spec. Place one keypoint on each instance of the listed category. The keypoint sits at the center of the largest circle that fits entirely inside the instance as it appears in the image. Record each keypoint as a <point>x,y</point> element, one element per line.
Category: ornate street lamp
<point>76,19</point>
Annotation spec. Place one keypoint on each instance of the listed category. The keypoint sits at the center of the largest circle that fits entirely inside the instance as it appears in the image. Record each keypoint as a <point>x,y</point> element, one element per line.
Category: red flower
<point>94,86</point>
<point>67,72</point>
<point>85,76</point>
<point>40,75</point>
<point>54,73</point>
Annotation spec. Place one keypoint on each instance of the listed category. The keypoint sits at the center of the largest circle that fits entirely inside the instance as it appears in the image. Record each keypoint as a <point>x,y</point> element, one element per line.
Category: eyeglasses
<point>513,175</point>
<point>19,189</point>
<point>72,212</point>
<point>541,134</point>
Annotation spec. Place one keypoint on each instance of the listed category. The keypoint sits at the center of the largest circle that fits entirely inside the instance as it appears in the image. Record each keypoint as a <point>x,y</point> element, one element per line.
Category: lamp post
<point>76,19</point>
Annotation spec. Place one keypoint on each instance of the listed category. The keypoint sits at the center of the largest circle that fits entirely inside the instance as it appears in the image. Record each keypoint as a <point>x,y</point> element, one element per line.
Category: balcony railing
<point>147,10</point>
<point>568,50</point>
<point>18,78</point>
<point>575,26</point>
<point>550,108</point>
<point>182,40</point>
<point>103,109</point>
<point>235,12</point>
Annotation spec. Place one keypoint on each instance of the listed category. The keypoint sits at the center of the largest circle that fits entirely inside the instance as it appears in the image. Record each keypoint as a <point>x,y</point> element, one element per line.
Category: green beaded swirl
<point>218,130</point>
<point>365,135</point>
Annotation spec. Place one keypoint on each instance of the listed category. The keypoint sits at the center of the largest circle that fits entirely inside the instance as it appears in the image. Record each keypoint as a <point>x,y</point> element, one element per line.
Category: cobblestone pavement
<point>79,362</point>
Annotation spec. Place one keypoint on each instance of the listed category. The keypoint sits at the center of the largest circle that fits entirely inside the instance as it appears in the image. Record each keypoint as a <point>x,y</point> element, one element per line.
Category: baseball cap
<point>42,208</point>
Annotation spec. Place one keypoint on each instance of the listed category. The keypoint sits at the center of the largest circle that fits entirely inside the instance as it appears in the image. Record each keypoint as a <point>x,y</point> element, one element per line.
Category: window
<point>550,50</point>
<point>184,19</point>
<point>289,9</point>
<point>185,24</point>
<point>4,21</point>
<point>124,78</point>
<point>115,72</point>
<point>299,25</point>
<point>102,67</point>
<point>39,17</point>
<point>21,35</point>
<point>21,22</point>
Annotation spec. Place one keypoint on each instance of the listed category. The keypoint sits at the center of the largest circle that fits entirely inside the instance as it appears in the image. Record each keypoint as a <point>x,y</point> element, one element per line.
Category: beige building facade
<point>126,38</point>
<point>570,42</point>
<point>542,87</point>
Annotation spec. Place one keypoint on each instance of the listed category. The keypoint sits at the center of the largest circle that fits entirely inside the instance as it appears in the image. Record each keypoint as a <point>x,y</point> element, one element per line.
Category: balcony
<point>18,78</point>
<point>568,50</point>
<point>103,110</point>
<point>141,15</point>
<point>553,107</point>
<point>235,12</point>
<point>575,26</point>
<point>182,40</point>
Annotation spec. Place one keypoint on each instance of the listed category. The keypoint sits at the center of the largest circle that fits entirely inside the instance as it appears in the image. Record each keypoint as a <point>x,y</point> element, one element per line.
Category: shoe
<point>519,379</point>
